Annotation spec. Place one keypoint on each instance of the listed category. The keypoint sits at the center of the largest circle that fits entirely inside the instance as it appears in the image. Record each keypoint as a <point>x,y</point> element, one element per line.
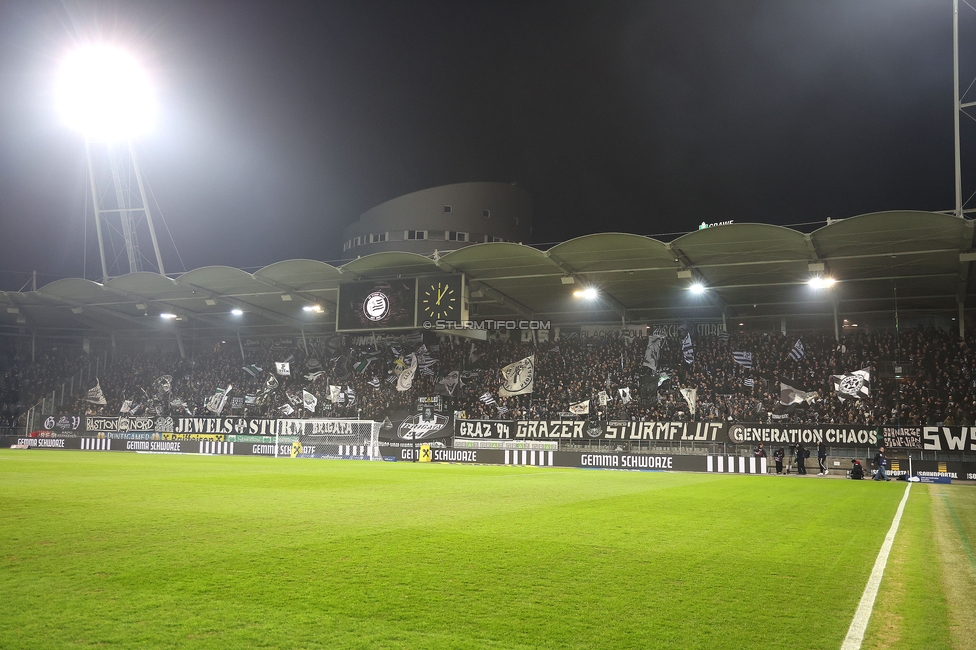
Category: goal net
<point>354,439</point>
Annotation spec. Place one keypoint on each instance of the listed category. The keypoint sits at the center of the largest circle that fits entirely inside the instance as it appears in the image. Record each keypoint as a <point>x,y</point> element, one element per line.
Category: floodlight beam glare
<point>104,93</point>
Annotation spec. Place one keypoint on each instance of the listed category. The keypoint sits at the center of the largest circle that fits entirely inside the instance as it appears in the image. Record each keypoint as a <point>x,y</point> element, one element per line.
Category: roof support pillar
<point>962,321</point>
<point>240,344</point>
<point>836,322</point>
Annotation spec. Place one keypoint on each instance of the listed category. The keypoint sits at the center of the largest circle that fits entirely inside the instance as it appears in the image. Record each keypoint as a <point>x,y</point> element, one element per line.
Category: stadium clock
<point>440,298</point>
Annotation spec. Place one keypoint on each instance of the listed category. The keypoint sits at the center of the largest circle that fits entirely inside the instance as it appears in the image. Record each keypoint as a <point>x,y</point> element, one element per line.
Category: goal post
<point>322,438</point>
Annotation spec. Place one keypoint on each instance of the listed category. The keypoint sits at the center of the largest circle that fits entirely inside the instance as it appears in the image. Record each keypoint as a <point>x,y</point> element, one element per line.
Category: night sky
<point>280,122</point>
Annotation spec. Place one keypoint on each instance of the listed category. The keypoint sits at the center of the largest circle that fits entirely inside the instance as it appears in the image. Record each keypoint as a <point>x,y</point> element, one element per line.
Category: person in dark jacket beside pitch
<point>778,456</point>
<point>801,455</point>
<point>822,458</point>
<point>881,462</point>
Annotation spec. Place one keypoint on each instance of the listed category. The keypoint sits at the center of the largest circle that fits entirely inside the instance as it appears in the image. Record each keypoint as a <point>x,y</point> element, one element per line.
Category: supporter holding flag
<point>688,350</point>
<point>580,408</point>
<point>744,359</point>
<point>798,350</point>
<point>653,352</point>
<point>95,395</point>
<point>856,385</point>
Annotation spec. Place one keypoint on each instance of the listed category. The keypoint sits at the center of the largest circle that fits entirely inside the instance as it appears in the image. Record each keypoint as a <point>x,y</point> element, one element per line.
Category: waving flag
<point>624,395</point>
<point>405,380</point>
<point>743,358</point>
<point>688,350</point>
<point>691,396</point>
<point>856,385</point>
<point>580,408</point>
<point>253,370</point>
<point>518,378</point>
<point>309,401</point>
<point>95,395</point>
<point>798,351</point>
<point>283,368</point>
<point>653,352</point>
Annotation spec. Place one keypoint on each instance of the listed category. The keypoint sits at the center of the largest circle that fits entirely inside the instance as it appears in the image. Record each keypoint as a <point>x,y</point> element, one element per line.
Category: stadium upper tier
<point>919,260</point>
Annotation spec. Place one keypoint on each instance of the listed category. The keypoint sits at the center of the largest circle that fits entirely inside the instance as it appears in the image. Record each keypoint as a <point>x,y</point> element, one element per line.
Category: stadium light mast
<point>956,106</point>
<point>104,93</point>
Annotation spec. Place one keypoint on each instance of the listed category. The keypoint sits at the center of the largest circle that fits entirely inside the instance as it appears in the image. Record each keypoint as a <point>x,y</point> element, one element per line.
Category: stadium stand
<point>936,382</point>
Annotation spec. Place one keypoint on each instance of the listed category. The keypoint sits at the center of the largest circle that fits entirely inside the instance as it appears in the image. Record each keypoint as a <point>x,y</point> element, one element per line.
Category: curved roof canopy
<point>749,271</point>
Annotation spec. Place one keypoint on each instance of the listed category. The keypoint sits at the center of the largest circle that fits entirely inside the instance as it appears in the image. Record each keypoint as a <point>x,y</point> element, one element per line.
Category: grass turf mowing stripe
<point>855,634</point>
<point>218,552</point>
<point>911,609</point>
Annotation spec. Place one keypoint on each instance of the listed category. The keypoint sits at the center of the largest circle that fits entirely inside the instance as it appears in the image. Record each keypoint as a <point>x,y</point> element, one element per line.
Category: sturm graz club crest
<point>594,429</point>
<point>856,385</point>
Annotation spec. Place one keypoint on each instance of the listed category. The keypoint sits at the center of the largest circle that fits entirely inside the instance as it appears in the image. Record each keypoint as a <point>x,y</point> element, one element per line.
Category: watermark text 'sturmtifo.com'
<point>486,324</point>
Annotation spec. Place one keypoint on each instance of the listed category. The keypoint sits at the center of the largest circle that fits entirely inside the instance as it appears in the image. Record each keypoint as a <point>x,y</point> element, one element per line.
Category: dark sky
<point>280,122</point>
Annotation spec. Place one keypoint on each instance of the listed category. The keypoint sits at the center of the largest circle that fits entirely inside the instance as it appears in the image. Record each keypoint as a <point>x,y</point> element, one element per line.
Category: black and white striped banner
<point>736,464</point>
<point>96,444</point>
<point>360,451</point>
<point>216,447</point>
<point>528,457</point>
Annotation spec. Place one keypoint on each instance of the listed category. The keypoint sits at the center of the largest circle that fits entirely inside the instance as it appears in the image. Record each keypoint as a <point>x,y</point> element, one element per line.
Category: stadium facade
<point>442,219</point>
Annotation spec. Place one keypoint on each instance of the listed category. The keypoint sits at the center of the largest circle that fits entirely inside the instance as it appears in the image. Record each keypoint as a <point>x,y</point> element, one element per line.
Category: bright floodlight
<point>167,316</point>
<point>317,309</point>
<point>697,288</point>
<point>237,312</point>
<point>103,92</point>
<point>820,282</point>
<point>589,293</point>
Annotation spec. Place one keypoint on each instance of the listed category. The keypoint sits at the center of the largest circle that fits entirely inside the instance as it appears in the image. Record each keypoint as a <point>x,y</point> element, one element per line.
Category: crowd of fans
<point>936,382</point>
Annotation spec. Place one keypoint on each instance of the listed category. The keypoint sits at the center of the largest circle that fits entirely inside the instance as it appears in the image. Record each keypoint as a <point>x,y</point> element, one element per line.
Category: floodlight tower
<point>105,94</point>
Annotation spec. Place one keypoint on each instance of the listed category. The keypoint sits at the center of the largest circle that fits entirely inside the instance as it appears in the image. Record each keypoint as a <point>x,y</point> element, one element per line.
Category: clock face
<point>440,299</point>
<point>376,306</point>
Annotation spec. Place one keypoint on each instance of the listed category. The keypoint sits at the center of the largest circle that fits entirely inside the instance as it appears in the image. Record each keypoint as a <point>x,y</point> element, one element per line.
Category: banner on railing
<point>64,424</point>
<point>642,430</point>
<point>962,439</point>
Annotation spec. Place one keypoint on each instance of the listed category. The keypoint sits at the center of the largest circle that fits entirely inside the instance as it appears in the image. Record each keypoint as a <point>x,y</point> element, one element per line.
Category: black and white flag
<point>283,368</point>
<point>691,397</point>
<point>487,399</point>
<point>798,351</point>
<point>518,378</point>
<point>215,404</point>
<point>624,395</point>
<point>743,358</point>
<point>95,394</point>
<point>446,385</point>
<point>272,382</point>
<point>789,395</point>
<point>580,408</point>
<point>309,401</point>
<point>723,336</point>
<point>405,378</point>
<point>653,352</point>
<point>749,382</point>
<point>856,385</point>
<point>286,409</point>
<point>688,350</point>
<point>126,406</point>
<point>374,382</point>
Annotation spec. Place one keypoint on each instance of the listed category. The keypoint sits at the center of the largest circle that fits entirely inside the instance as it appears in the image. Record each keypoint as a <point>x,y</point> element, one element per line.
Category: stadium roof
<point>751,271</point>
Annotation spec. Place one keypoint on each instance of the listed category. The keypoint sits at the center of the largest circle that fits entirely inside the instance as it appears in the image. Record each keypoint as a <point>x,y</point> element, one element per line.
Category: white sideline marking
<point>855,634</point>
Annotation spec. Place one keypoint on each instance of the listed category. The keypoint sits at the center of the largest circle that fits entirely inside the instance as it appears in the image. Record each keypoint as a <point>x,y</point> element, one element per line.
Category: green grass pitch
<point>139,551</point>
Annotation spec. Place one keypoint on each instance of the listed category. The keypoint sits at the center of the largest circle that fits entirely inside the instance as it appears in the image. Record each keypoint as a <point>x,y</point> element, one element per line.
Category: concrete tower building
<point>442,218</point>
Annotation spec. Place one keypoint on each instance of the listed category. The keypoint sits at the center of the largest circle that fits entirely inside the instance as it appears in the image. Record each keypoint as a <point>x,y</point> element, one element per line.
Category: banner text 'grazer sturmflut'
<point>633,431</point>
